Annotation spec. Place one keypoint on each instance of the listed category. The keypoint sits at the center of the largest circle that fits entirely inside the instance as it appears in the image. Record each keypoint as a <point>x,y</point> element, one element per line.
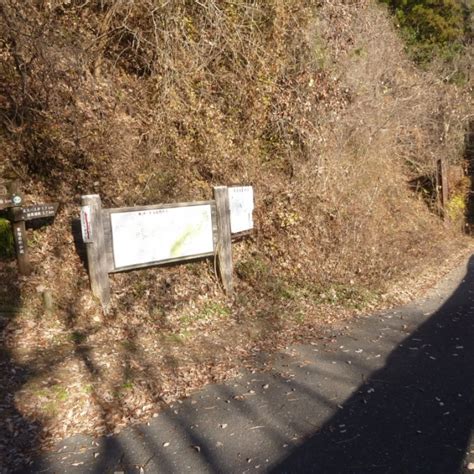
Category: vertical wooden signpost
<point>224,239</point>
<point>19,230</point>
<point>93,236</point>
<point>443,185</point>
<point>12,200</point>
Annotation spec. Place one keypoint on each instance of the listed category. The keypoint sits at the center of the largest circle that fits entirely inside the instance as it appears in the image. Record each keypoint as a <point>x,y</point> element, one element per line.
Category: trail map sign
<point>123,239</point>
<point>160,235</point>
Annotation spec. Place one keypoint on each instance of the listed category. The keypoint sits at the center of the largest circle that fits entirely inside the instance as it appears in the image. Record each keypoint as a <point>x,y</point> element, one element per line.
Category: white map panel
<point>149,236</point>
<point>241,208</point>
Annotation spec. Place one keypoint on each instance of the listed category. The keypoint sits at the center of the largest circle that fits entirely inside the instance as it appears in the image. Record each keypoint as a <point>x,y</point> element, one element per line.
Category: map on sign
<point>158,235</point>
<point>241,208</point>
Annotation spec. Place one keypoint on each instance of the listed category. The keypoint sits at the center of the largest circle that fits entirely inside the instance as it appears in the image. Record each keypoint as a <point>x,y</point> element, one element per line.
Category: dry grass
<point>313,103</point>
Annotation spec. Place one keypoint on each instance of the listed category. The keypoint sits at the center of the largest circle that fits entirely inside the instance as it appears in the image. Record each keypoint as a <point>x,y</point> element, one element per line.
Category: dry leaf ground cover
<point>312,103</point>
<point>94,374</point>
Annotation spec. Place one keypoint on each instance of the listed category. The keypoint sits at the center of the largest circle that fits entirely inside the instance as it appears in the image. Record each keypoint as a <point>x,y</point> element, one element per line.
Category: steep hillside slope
<point>313,103</point>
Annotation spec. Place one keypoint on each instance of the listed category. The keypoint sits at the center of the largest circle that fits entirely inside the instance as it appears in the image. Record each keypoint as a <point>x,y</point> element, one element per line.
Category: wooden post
<point>443,185</point>
<point>224,246</point>
<point>19,230</point>
<point>96,251</point>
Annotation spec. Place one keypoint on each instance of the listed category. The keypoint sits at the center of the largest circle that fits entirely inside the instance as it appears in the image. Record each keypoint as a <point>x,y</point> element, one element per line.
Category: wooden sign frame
<point>97,230</point>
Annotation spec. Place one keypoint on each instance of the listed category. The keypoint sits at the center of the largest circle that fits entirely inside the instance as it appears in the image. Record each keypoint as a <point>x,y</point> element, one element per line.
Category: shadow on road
<point>415,414</point>
<point>311,413</point>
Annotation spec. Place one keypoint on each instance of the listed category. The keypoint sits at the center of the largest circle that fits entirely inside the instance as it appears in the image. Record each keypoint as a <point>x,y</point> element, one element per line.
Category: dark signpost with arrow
<point>11,202</point>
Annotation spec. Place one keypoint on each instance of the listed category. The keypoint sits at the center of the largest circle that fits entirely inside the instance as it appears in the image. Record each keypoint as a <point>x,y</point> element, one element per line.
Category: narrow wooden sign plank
<point>38,211</point>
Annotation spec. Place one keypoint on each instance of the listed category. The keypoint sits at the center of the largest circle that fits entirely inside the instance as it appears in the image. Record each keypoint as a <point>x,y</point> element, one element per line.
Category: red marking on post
<point>88,229</point>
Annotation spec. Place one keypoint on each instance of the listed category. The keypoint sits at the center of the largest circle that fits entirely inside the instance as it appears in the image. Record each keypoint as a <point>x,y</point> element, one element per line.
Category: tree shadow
<point>19,436</point>
<point>469,159</point>
<point>415,414</point>
<point>79,245</point>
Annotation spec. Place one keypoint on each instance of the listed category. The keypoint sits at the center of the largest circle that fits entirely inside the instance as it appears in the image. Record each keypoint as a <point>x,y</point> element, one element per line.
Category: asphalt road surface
<point>392,394</point>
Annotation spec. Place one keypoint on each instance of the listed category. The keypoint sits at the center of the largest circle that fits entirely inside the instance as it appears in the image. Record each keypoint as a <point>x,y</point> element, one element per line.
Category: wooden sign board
<point>161,234</point>
<point>39,211</point>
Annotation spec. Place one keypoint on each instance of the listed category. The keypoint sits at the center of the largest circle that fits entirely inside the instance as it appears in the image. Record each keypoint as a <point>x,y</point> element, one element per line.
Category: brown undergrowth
<point>313,103</point>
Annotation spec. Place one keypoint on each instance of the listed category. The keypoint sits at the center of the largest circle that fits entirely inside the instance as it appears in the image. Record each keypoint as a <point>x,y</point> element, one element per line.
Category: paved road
<point>393,394</point>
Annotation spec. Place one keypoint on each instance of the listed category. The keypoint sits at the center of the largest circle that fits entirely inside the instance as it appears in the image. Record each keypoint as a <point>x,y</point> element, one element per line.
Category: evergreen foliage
<point>433,27</point>
<point>6,239</point>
